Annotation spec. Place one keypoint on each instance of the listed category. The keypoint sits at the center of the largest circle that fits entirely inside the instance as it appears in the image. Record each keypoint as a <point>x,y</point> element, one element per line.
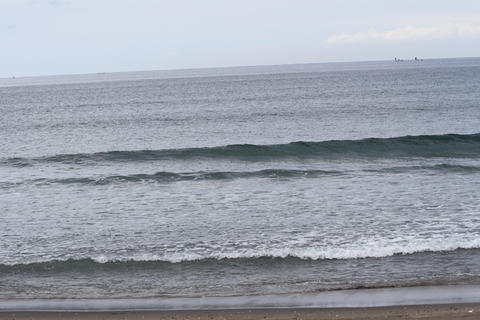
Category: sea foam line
<point>310,253</point>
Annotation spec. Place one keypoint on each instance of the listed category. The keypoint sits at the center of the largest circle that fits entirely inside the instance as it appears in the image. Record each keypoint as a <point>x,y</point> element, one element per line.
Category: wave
<point>427,146</point>
<point>171,177</point>
<point>442,167</point>
<point>254,257</point>
<point>166,177</point>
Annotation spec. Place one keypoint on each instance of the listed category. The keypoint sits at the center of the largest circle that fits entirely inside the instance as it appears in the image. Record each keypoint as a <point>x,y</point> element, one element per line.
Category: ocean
<point>246,181</point>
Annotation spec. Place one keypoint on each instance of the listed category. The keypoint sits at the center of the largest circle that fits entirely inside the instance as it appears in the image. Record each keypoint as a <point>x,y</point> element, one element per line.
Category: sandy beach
<point>446,311</point>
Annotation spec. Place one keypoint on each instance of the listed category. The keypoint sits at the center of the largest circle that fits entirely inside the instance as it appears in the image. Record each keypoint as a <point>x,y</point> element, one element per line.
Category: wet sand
<point>446,311</point>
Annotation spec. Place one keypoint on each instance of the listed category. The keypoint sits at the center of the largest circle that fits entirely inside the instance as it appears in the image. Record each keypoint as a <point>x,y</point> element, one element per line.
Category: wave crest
<point>427,146</point>
<point>251,256</point>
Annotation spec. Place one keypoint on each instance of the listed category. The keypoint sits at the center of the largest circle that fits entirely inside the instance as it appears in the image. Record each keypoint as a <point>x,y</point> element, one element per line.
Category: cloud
<point>444,31</point>
<point>58,3</point>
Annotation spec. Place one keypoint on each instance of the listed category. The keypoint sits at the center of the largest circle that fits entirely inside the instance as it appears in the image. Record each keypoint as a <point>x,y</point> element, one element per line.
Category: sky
<point>46,37</point>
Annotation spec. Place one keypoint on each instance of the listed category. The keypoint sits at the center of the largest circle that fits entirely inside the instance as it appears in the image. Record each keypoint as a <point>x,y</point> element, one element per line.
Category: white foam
<point>367,250</point>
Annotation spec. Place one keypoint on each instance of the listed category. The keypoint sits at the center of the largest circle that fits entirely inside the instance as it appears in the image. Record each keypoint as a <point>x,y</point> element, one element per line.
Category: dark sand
<point>448,311</point>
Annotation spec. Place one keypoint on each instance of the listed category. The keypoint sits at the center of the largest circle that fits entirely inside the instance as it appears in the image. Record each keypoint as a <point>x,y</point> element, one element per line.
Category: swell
<point>171,177</point>
<point>442,167</point>
<point>167,177</point>
<point>427,146</point>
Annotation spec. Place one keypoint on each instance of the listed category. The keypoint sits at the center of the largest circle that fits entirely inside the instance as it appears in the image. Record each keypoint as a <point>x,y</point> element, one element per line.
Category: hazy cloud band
<point>444,31</point>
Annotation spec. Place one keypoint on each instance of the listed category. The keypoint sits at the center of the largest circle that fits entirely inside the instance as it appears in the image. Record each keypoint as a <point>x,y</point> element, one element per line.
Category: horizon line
<point>221,67</point>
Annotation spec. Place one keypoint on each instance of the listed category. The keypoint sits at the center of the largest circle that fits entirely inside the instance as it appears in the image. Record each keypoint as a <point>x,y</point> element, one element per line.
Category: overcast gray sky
<point>43,37</point>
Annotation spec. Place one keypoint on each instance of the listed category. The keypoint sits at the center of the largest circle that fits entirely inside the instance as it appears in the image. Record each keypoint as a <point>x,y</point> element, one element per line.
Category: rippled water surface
<point>261,180</point>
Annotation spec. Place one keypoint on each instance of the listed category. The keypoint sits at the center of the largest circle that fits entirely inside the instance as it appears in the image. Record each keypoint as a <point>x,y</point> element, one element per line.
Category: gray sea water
<point>240,181</point>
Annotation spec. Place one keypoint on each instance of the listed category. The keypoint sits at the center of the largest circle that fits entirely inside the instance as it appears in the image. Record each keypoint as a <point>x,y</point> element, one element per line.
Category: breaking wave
<point>250,256</point>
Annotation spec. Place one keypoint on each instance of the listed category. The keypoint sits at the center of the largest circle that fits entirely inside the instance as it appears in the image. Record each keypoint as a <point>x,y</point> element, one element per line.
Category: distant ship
<point>401,60</point>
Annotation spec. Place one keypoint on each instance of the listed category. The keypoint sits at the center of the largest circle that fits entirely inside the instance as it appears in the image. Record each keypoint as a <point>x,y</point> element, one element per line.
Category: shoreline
<point>435,311</point>
<point>355,298</point>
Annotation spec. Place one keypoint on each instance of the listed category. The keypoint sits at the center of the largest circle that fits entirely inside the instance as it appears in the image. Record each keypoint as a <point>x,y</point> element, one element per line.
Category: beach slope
<point>446,311</point>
